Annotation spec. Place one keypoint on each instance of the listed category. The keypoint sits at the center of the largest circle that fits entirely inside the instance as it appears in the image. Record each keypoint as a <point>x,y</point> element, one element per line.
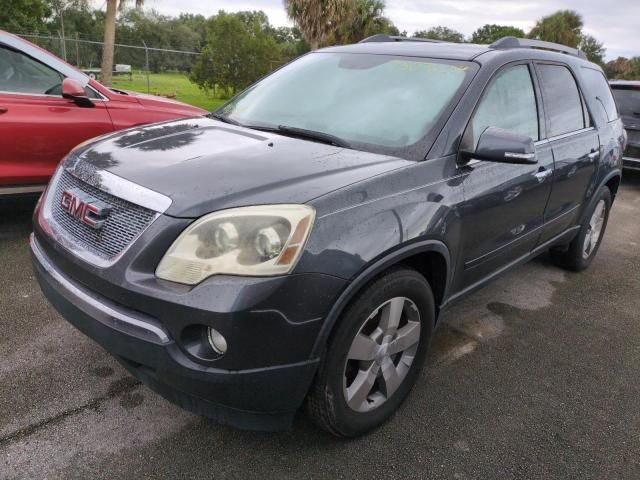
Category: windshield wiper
<point>287,130</point>
<point>303,133</point>
<point>313,135</point>
<point>225,119</point>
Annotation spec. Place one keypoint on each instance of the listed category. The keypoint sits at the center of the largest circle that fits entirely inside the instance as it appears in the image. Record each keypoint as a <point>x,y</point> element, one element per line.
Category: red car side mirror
<point>74,91</point>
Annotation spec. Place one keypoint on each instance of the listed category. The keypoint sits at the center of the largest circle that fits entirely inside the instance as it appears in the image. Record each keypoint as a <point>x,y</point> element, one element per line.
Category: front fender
<point>374,269</point>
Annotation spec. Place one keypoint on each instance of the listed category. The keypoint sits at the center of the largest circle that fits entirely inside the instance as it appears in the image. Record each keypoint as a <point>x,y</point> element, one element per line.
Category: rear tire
<point>374,355</point>
<point>583,249</point>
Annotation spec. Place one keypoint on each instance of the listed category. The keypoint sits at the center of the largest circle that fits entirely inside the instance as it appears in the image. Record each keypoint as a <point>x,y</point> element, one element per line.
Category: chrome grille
<point>125,222</point>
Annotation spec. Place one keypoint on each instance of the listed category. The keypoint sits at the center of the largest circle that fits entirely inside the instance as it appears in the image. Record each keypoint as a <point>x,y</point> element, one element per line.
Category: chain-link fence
<point>130,61</point>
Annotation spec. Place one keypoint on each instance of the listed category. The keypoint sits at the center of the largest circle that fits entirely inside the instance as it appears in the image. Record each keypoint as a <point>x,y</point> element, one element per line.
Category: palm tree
<point>366,20</point>
<point>318,20</point>
<point>110,37</point>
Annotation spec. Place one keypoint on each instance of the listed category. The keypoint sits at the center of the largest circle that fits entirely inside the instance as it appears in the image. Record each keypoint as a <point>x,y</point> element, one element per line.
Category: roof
<point>511,47</point>
<point>17,43</point>
<point>444,50</point>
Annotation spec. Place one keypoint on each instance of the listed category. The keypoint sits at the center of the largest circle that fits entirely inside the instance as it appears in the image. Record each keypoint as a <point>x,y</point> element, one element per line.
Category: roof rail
<point>512,42</point>
<point>381,37</point>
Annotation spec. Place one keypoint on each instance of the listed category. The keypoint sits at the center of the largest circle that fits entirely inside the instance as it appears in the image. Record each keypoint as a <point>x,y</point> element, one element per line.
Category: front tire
<point>374,355</point>
<point>583,249</point>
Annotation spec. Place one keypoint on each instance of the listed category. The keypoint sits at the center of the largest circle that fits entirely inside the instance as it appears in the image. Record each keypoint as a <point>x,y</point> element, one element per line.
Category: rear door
<point>504,203</point>
<point>37,126</point>
<point>574,143</point>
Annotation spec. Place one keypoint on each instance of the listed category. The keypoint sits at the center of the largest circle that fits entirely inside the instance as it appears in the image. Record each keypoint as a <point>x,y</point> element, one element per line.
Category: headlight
<point>256,241</point>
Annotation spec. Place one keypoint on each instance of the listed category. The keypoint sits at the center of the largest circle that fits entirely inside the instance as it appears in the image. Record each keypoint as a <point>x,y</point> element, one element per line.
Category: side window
<point>22,74</point>
<point>563,102</point>
<point>597,88</point>
<point>508,103</point>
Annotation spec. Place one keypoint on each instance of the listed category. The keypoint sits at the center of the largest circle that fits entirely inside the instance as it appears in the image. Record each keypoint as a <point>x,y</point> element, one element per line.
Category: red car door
<point>37,126</point>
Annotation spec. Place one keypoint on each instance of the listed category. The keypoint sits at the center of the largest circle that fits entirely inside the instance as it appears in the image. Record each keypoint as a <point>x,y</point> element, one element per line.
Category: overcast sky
<point>614,22</point>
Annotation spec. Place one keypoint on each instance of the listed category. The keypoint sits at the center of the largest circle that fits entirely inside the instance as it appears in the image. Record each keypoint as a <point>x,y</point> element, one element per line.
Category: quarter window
<point>563,102</point>
<point>509,103</point>
<point>22,74</point>
<point>598,88</point>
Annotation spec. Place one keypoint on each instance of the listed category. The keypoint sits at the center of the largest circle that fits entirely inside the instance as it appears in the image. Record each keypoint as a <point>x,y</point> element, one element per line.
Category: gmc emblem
<point>81,206</point>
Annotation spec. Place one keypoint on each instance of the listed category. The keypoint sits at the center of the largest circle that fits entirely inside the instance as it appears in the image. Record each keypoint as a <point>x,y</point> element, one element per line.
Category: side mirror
<point>498,145</point>
<point>72,90</point>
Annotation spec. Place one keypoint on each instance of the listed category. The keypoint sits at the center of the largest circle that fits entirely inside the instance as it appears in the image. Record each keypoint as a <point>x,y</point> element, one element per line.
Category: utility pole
<point>62,35</point>
<point>77,51</point>
<point>146,55</point>
<point>59,5</point>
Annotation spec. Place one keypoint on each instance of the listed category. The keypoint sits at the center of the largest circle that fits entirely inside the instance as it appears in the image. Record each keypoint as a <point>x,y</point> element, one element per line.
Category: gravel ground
<point>535,376</point>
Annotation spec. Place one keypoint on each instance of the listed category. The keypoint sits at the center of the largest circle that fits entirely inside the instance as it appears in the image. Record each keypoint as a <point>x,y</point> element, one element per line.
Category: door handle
<point>594,154</point>
<point>3,110</point>
<point>542,174</point>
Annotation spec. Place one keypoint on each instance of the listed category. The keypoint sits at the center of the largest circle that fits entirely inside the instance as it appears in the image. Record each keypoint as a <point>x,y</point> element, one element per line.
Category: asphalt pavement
<point>534,376</point>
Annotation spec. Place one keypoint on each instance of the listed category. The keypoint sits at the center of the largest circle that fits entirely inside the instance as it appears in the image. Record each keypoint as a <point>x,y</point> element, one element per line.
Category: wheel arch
<point>612,182</point>
<point>431,258</point>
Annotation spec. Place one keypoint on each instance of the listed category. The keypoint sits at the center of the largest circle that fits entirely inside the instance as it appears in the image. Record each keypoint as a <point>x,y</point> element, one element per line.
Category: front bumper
<point>260,398</point>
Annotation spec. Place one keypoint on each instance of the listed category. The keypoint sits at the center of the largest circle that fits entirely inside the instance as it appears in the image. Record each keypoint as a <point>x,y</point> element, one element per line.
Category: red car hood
<point>160,102</point>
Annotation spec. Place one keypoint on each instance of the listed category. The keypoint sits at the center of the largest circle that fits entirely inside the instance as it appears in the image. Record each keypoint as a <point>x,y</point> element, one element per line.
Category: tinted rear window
<point>628,101</point>
<point>563,102</point>
<point>597,87</point>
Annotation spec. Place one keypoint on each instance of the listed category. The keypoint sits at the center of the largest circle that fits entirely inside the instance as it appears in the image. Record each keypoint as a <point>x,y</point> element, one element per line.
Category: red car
<point>47,107</point>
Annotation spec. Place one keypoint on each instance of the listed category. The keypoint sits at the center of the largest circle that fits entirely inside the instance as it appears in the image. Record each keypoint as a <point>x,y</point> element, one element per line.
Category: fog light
<point>217,341</point>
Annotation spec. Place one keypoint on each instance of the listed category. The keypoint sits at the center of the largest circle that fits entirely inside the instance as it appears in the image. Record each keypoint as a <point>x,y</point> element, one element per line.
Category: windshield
<point>628,102</point>
<point>380,103</point>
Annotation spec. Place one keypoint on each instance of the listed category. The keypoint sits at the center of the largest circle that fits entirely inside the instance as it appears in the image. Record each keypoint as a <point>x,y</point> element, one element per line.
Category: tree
<point>318,20</point>
<point>240,49</point>
<point>490,33</point>
<point>367,18</point>
<point>593,48</point>
<point>385,26</point>
<point>110,36</point>
<point>564,27</point>
<point>290,42</point>
<point>623,68</point>
<point>443,33</point>
<point>24,16</point>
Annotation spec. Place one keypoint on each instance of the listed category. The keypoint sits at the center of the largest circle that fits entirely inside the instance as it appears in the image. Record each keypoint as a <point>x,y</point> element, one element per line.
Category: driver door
<point>39,127</point>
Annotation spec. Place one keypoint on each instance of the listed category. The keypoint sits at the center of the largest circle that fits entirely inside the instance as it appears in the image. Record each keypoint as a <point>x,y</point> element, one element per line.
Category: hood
<point>205,165</point>
<point>162,103</point>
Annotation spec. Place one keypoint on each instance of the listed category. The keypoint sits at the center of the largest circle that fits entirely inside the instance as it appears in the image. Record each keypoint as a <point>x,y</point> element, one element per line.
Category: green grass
<point>168,84</point>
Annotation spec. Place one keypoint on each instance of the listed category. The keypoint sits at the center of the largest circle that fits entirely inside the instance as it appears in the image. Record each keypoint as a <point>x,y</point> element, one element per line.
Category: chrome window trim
<point>564,135</point>
<point>59,97</point>
<point>26,94</point>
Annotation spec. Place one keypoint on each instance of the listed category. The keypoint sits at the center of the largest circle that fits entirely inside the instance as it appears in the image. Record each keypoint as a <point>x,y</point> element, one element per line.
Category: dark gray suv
<point>299,245</point>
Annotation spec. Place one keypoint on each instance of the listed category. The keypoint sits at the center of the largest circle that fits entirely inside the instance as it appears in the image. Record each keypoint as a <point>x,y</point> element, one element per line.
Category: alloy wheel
<point>594,231</point>
<point>381,354</point>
